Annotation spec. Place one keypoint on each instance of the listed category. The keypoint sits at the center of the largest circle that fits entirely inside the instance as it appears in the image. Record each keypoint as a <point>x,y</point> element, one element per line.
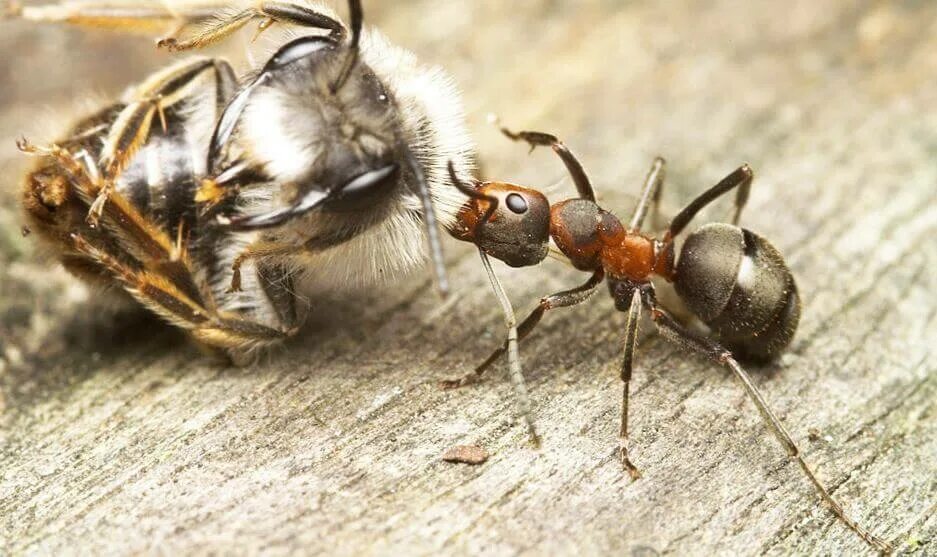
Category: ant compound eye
<point>518,231</point>
<point>516,203</point>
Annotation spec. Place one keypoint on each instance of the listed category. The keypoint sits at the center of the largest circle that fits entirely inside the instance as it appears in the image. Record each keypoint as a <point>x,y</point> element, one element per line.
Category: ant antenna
<point>357,18</point>
<point>474,194</point>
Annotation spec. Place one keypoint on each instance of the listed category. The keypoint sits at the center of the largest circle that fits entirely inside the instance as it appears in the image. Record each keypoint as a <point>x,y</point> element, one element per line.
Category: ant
<point>732,279</point>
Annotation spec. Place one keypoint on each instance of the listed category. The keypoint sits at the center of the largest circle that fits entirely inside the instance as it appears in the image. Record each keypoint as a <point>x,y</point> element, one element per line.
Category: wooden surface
<point>117,437</point>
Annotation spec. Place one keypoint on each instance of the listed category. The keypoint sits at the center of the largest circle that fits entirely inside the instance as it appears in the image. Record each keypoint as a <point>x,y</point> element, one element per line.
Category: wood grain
<point>117,437</point>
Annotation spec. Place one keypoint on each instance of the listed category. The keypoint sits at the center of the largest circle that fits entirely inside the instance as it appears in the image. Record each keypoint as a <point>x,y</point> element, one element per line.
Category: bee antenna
<point>357,18</point>
<point>429,219</point>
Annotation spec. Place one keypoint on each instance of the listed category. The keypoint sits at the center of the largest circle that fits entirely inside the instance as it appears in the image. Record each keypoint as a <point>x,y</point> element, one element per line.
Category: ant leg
<point>514,361</point>
<point>268,13</point>
<point>650,195</point>
<point>676,333</point>
<point>576,171</point>
<point>566,298</point>
<point>631,338</point>
<point>741,178</point>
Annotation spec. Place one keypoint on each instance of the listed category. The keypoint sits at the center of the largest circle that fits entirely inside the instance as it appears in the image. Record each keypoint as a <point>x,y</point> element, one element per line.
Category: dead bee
<point>222,202</point>
<point>730,278</point>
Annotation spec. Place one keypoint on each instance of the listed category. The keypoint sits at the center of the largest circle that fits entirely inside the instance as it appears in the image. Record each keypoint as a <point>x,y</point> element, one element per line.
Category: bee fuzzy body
<point>207,147</point>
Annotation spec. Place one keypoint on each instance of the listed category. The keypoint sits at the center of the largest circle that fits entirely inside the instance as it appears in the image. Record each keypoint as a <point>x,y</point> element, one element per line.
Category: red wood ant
<point>732,279</point>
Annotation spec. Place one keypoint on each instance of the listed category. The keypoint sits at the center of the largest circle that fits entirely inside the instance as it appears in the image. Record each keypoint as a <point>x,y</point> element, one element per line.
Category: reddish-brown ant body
<point>733,280</point>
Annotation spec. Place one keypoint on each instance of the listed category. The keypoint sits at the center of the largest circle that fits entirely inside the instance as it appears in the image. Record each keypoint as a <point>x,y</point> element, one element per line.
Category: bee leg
<point>71,180</point>
<point>154,291</point>
<point>267,12</point>
<point>150,100</point>
<point>141,18</point>
<point>566,298</point>
<point>258,250</point>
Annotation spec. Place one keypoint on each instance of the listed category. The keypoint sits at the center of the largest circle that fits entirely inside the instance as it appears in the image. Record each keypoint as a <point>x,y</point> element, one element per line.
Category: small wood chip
<point>466,454</point>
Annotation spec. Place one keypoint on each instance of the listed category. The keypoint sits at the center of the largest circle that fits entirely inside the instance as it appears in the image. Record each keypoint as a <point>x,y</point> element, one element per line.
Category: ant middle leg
<point>650,195</point>
<point>631,340</point>
<point>565,298</point>
<point>670,329</point>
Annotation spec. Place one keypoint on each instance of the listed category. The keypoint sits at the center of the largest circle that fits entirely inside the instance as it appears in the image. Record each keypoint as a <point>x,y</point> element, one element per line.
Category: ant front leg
<point>514,361</point>
<point>565,298</point>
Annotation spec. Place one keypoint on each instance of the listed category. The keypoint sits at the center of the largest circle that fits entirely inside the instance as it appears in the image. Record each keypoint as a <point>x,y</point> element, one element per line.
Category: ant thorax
<point>593,238</point>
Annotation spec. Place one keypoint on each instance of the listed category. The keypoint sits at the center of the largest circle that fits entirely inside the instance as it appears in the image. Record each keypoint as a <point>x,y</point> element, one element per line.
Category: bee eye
<point>299,49</point>
<point>516,203</point>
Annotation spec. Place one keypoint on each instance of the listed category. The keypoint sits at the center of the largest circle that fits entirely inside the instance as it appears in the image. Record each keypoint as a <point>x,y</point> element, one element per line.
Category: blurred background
<point>831,103</point>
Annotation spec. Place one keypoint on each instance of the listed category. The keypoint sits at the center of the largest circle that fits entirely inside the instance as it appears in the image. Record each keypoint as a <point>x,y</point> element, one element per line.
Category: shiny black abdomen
<point>738,284</point>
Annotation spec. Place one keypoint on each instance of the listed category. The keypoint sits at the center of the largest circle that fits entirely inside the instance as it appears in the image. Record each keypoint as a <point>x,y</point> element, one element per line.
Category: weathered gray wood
<point>117,437</point>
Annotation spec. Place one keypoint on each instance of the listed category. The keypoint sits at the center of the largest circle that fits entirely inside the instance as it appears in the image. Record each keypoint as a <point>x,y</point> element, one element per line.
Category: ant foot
<point>465,380</point>
<point>627,464</point>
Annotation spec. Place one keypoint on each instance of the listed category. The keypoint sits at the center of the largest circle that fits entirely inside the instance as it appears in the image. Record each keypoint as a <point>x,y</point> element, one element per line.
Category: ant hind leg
<point>676,333</point>
<point>741,178</point>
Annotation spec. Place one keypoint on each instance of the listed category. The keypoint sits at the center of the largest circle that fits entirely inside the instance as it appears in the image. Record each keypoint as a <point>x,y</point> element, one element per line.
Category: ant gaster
<point>732,279</point>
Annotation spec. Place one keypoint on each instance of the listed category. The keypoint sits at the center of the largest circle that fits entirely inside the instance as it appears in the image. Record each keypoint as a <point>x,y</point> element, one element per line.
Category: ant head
<point>506,221</point>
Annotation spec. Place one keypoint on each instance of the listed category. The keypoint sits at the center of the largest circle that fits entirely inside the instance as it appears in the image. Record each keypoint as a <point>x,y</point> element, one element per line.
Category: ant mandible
<point>732,279</point>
